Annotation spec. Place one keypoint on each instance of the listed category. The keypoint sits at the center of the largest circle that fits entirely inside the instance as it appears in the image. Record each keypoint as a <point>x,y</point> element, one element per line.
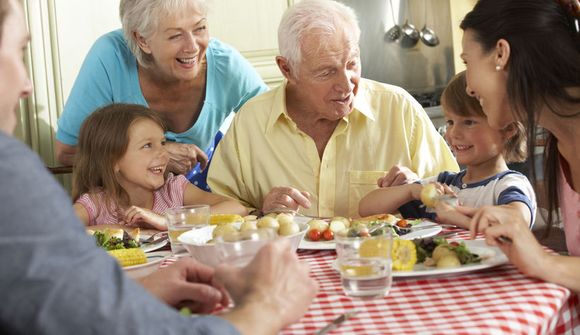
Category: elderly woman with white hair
<point>163,58</point>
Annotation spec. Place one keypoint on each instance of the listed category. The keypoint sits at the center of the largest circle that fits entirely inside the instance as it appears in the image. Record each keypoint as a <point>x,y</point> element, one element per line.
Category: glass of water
<point>365,264</point>
<point>239,248</point>
<point>182,219</point>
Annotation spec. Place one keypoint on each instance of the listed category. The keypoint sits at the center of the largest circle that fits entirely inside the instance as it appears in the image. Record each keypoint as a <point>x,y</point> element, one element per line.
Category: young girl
<point>486,179</point>
<point>120,171</point>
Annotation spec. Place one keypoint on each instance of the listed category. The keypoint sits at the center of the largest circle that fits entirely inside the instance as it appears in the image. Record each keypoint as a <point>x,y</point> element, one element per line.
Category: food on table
<point>219,219</point>
<point>129,257</point>
<point>112,239</point>
<point>314,235</point>
<point>404,255</point>
<point>250,218</point>
<point>284,218</point>
<point>268,222</point>
<point>248,225</point>
<point>429,195</point>
<point>337,226</point>
<point>328,235</point>
<point>288,228</point>
<point>223,229</point>
<point>438,252</point>
<point>318,224</point>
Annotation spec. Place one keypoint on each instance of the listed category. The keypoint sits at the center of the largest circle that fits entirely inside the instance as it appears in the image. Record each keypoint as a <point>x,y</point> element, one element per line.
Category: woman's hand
<point>183,157</point>
<point>397,175</point>
<point>271,292</point>
<point>285,197</point>
<point>186,283</point>
<point>145,218</point>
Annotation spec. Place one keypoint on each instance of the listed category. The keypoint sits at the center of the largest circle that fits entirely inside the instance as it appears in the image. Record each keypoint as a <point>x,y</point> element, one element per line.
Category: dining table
<point>494,300</point>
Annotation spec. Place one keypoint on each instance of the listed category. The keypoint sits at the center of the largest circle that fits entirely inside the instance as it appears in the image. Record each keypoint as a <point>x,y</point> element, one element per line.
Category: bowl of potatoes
<point>212,244</point>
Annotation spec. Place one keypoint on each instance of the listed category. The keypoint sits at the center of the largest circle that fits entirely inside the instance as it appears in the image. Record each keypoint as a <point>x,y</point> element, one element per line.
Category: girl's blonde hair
<point>103,141</point>
<point>456,99</point>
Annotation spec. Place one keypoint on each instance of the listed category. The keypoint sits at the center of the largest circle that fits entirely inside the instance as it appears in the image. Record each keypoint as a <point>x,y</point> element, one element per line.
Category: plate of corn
<point>136,262</point>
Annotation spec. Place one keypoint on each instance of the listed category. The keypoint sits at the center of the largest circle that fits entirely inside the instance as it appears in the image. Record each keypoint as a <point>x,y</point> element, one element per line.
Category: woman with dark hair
<point>524,56</point>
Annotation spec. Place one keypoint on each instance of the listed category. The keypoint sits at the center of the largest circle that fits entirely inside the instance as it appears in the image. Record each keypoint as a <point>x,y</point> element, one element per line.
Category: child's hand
<point>145,218</point>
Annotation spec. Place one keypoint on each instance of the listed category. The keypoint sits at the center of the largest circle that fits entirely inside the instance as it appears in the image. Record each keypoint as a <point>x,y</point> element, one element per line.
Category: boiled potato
<point>318,224</point>
<point>290,228</point>
<point>223,229</point>
<point>248,225</point>
<point>448,261</point>
<point>337,225</point>
<point>341,219</point>
<point>429,195</point>
<point>440,251</point>
<point>268,222</point>
<point>250,218</point>
<point>284,218</point>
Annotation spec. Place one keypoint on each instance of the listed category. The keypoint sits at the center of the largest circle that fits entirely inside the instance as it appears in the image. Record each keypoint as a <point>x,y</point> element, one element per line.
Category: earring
<point>497,68</point>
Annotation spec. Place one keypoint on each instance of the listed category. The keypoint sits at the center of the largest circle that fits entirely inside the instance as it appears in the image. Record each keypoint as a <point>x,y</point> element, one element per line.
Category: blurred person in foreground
<point>57,281</point>
<point>523,56</point>
<point>324,137</point>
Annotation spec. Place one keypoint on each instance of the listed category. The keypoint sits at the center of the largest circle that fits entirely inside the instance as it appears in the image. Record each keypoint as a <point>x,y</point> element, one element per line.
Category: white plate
<point>153,261</point>
<point>329,245</point>
<point>490,257</point>
<point>155,245</point>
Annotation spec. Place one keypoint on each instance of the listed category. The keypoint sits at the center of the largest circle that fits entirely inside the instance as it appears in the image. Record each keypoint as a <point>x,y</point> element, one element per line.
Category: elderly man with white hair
<point>323,138</point>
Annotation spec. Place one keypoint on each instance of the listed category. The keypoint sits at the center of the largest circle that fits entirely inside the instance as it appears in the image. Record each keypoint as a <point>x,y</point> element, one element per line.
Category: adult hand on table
<point>186,283</point>
<point>183,157</point>
<point>271,292</point>
<point>397,175</point>
<point>285,197</point>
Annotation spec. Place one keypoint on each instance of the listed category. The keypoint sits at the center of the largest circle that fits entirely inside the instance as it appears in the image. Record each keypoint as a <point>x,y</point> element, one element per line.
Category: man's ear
<point>141,42</point>
<point>502,53</point>
<point>284,67</point>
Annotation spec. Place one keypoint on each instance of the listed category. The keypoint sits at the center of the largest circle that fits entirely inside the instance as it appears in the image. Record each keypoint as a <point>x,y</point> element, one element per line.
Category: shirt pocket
<point>360,183</point>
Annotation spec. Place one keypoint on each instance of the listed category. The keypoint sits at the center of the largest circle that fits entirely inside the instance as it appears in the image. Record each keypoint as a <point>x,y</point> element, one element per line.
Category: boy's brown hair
<point>455,99</point>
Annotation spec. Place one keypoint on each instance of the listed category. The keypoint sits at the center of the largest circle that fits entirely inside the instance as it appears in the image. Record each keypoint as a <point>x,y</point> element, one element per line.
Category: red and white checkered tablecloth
<point>499,300</point>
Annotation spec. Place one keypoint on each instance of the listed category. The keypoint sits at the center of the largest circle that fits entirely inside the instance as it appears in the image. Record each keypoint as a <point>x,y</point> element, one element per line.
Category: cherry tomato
<point>314,235</point>
<point>454,244</point>
<point>402,223</point>
<point>328,235</point>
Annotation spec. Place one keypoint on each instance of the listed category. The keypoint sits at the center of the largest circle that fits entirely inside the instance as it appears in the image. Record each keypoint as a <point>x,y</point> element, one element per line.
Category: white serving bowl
<point>196,243</point>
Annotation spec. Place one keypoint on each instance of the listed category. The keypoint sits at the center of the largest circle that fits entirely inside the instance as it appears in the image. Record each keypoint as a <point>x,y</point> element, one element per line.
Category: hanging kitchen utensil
<point>410,34</point>
<point>394,33</point>
<point>428,36</point>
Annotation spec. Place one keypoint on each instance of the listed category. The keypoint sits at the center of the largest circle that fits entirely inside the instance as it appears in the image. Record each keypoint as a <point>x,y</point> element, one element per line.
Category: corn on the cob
<point>218,219</point>
<point>128,257</point>
<point>404,255</point>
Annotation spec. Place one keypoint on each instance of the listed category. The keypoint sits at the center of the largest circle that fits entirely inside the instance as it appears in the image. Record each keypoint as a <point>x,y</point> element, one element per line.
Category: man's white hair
<point>325,17</point>
<point>144,16</point>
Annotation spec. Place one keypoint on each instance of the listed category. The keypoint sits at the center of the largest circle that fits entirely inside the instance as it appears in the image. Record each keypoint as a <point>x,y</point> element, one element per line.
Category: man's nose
<point>345,82</point>
<point>27,89</point>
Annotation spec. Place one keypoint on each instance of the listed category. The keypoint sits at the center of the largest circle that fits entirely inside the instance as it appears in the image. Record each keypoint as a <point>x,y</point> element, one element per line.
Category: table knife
<point>332,325</point>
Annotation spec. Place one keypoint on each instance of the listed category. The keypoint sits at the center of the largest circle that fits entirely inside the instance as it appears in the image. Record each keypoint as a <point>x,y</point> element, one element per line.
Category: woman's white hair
<point>326,17</point>
<point>144,16</point>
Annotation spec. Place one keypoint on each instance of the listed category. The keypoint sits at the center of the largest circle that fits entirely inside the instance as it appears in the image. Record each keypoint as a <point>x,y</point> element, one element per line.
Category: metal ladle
<point>428,36</point>
<point>394,33</point>
<point>410,35</point>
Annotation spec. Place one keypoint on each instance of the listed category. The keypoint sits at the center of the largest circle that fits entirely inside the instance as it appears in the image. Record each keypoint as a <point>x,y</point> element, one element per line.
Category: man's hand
<point>183,157</point>
<point>397,175</point>
<point>186,283</point>
<point>285,197</point>
<point>274,289</point>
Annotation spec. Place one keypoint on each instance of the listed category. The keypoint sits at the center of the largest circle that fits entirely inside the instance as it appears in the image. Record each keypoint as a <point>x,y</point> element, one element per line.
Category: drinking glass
<point>182,219</point>
<point>239,248</point>
<point>365,264</point>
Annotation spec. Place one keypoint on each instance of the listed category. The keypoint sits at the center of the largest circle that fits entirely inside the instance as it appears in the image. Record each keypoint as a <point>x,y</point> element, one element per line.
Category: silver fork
<point>332,325</point>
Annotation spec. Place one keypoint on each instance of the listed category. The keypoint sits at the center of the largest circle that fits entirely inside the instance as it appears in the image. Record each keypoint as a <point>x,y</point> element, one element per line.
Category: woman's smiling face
<point>178,46</point>
<point>486,82</point>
